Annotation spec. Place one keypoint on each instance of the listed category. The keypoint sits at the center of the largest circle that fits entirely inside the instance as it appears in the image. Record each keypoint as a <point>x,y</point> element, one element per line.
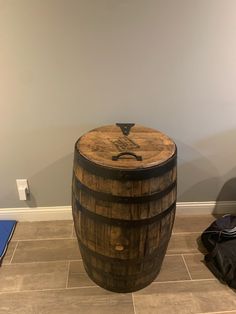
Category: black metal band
<point>123,199</point>
<point>123,222</point>
<point>124,174</point>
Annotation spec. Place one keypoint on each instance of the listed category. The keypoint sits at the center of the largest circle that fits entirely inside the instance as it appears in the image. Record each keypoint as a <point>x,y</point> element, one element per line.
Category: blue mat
<point>7,228</point>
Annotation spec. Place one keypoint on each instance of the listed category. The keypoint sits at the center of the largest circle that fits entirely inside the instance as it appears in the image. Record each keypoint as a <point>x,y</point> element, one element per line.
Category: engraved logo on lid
<point>124,144</point>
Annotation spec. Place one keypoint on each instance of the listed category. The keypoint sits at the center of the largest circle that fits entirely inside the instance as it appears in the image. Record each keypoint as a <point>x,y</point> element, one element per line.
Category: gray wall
<point>67,66</point>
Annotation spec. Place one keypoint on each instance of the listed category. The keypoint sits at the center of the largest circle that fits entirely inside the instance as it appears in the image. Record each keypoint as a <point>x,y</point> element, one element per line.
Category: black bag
<point>220,241</point>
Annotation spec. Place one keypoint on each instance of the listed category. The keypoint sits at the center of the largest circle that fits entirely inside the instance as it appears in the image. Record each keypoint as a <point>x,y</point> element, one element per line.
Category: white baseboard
<point>36,213</point>
<point>206,208</point>
<point>64,212</point>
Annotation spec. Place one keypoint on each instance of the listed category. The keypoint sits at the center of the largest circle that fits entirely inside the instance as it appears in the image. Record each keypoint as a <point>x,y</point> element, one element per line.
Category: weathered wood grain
<point>123,242</point>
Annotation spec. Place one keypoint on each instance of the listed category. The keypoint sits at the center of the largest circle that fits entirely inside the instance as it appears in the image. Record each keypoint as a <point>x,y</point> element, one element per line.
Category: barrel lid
<point>126,146</point>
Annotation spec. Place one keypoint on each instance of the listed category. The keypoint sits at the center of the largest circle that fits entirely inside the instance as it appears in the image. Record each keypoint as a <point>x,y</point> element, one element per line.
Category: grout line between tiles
<point>44,239</point>
<point>68,271</point>
<point>174,254</point>
<point>186,232</point>
<point>180,253</point>
<point>39,262</point>
<point>75,260</point>
<point>133,303</point>
<point>13,252</point>
<point>196,253</point>
<point>186,266</point>
<point>187,280</point>
<point>50,289</point>
<point>186,253</point>
<point>55,261</point>
<point>220,312</point>
<point>83,287</point>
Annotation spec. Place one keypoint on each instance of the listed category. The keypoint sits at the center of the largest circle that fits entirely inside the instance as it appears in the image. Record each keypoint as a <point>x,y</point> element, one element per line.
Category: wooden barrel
<point>124,200</point>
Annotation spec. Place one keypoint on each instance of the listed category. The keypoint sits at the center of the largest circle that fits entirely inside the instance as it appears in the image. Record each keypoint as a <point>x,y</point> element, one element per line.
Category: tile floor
<point>42,272</point>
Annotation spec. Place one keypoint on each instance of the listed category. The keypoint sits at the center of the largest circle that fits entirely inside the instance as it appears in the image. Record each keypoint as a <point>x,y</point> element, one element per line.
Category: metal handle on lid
<point>125,127</point>
<point>139,158</point>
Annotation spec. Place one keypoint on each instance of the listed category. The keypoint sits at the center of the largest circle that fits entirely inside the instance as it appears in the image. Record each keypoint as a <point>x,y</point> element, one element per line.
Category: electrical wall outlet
<point>23,189</point>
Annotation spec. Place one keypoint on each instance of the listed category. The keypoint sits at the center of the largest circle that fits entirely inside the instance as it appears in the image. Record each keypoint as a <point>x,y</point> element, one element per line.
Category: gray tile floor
<point>42,272</point>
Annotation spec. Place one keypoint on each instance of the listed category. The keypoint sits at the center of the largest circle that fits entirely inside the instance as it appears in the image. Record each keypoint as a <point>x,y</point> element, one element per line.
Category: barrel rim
<point>124,173</point>
<point>145,162</point>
